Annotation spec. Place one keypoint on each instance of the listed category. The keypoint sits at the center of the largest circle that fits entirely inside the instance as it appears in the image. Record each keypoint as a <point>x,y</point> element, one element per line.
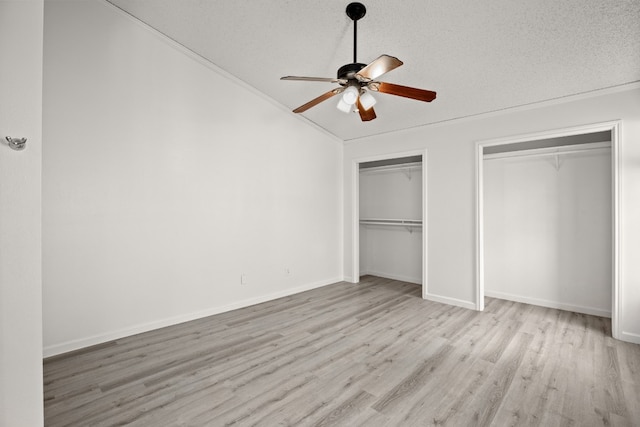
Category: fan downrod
<point>355,11</point>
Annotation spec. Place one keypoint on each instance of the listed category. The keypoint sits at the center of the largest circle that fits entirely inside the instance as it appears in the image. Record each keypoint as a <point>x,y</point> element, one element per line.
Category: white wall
<point>391,251</point>
<point>547,231</point>
<point>451,188</point>
<point>164,181</point>
<point>20,226</point>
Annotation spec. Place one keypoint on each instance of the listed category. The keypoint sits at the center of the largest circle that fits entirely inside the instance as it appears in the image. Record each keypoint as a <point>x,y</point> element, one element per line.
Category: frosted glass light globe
<point>367,100</point>
<point>343,106</point>
<point>350,95</point>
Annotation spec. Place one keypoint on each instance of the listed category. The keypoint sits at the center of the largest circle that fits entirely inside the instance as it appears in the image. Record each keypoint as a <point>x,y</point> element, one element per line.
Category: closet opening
<point>389,218</point>
<point>547,220</point>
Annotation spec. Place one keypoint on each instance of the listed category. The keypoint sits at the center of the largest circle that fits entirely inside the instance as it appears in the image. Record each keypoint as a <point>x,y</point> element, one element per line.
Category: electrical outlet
<point>243,279</point>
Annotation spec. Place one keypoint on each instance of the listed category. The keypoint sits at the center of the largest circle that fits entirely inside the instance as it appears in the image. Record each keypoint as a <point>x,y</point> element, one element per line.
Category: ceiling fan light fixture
<point>357,80</point>
<point>350,95</point>
<point>367,100</point>
<point>343,106</point>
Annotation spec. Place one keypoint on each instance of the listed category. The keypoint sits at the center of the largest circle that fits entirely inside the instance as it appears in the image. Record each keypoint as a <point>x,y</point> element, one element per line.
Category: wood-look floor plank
<point>371,354</point>
<point>402,392</point>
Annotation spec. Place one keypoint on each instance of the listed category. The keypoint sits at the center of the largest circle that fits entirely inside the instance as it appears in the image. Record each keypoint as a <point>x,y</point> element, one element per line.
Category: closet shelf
<point>551,151</point>
<point>404,167</point>
<point>392,222</point>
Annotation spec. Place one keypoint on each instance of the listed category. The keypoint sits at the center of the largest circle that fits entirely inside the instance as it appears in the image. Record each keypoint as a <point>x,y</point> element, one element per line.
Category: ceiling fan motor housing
<point>349,71</point>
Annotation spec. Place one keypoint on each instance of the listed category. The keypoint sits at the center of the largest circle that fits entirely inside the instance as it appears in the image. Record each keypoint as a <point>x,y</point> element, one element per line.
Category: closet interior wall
<point>391,221</point>
<point>548,229</point>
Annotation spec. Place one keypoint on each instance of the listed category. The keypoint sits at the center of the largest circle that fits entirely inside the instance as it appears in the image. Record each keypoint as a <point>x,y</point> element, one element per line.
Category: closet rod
<point>554,151</point>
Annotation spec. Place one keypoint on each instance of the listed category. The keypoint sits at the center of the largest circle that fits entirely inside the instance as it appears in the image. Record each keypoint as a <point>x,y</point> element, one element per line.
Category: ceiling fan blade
<point>378,67</point>
<point>365,115</point>
<point>407,92</point>
<point>314,79</point>
<point>317,100</point>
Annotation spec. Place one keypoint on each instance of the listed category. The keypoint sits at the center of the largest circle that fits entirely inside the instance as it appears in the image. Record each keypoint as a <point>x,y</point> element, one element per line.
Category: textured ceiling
<point>479,56</point>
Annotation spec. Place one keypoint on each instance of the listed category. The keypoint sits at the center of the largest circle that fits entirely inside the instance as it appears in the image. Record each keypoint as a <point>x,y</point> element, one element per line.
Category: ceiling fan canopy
<point>356,80</point>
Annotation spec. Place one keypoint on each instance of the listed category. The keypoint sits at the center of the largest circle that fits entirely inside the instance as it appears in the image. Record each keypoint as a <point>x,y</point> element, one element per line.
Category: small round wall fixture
<point>17,144</point>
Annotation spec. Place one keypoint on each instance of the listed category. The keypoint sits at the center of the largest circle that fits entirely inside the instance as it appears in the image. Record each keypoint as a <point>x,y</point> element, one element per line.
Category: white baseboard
<point>630,337</point>
<point>416,280</point>
<point>451,301</point>
<point>80,343</point>
<point>549,304</point>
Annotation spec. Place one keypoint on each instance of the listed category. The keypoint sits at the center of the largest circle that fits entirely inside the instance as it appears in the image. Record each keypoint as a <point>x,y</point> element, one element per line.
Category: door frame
<point>355,210</point>
<point>615,128</point>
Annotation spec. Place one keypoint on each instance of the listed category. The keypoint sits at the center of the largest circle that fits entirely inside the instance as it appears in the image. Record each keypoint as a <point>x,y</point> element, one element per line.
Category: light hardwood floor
<point>371,354</point>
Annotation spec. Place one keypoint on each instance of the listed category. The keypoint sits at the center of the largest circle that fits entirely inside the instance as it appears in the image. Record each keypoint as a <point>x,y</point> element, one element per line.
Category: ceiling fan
<point>356,79</point>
